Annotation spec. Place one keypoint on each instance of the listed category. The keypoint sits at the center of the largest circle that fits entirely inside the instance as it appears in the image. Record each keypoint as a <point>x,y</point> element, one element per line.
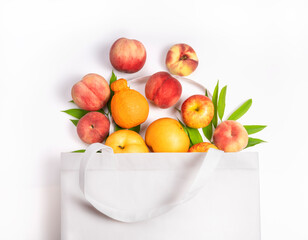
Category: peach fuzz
<point>163,89</point>
<point>93,127</point>
<point>230,136</point>
<point>197,111</point>
<point>181,60</point>
<point>202,147</point>
<point>91,93</point>
<point>127,55</point>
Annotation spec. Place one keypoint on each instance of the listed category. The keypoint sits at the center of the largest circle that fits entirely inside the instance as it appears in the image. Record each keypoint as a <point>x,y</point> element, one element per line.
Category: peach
<point>230,136</point>
<point>91,93</point>
<point>197,111</point>
<point>127,55</point>
<point>163,89</point>
<point>181,59</point>
<point>93,127</point>
<point>202,147</point>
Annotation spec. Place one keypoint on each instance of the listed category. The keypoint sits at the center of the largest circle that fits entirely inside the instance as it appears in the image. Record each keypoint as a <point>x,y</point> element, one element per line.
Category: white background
<point>258,48</point>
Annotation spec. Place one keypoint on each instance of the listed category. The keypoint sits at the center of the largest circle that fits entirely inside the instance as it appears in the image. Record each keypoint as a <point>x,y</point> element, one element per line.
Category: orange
<point>166,135</point>
<point>202,147</point>
<point>126,141</point>
<point>129,108</point>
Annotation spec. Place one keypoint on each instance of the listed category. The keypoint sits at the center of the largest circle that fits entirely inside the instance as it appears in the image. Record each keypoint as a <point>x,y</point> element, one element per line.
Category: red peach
<point>127,55</point>
<point>197,111</point>
<point>202,147</point>
<point>91,93</point>
<point>230,136</point>
<point>163,89</point>
<point>93,127</point>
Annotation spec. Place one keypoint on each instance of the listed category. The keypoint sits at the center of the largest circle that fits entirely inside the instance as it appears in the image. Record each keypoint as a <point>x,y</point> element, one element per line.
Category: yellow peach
<point>181,60</point>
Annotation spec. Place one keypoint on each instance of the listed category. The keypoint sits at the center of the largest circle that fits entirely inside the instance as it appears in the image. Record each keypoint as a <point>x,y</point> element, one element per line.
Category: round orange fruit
<point>129,108</point>
<point>126,141</point>
<point>166,135</point>
<point>202,147</point>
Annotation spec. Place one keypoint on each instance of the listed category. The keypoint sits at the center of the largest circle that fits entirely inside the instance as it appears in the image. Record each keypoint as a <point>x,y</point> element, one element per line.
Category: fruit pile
<point>101,103</point>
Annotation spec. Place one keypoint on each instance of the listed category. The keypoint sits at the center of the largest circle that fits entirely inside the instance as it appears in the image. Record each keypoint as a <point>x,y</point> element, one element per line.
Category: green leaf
<point>253,142</point>
<point>109,103</point>
<point>222,102</point>
<point>117,128</point>
<point>206,93</point>
<point>186,131</point>
<point>214,100</point>
<point>251,129</point>
<point>103,112</point>
<point>238,113</point>
<point>72,101</point>
<point>194,135</point>
<point>76,112</point>
<point>113,78</point>
<point>83,150</point>
<point>208,131</point>
<point>135,129</point>
<point>74,121</point>
<point>79,151</point>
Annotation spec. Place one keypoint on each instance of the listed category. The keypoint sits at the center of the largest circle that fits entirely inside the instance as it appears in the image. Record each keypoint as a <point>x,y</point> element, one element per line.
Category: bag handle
<point>207,167</point>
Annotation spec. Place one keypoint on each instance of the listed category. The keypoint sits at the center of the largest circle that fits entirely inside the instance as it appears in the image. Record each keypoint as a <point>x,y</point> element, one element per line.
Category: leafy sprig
<point>214,100</point>
<point>238,113</point>
<point>219,102</point>
<point>113,78</point>
<point>219,110</point>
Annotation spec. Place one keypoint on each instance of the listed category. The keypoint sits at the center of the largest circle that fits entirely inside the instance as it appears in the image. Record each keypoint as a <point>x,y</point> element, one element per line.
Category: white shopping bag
<point>159,196</point>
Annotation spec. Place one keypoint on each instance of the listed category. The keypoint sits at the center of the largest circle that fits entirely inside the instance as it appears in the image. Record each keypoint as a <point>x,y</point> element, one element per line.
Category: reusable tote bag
<point>159,196</point>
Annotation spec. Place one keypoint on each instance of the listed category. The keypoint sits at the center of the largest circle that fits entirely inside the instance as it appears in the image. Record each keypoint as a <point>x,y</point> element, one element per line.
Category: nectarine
<point>93,127</point>
<point>202,147</point>
<point>127,55</point>
<point>163,89</point>
<point>91,93</point>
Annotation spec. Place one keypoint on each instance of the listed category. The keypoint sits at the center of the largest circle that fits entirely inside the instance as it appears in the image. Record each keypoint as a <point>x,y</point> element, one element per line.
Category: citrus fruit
<point>129,108</point>
<point>126,141</point>
<point>166,135</point>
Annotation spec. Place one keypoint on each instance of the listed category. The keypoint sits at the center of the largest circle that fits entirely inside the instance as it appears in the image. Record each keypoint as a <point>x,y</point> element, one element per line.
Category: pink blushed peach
<point>91,93</point>
<point>202,147</point>
<point>163,89</point>
<point>230,136</point>
<point>93,127</point>
<point>127,55</point>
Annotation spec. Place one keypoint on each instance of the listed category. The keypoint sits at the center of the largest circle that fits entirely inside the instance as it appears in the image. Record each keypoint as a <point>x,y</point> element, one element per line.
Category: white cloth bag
<point>159,196</point>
